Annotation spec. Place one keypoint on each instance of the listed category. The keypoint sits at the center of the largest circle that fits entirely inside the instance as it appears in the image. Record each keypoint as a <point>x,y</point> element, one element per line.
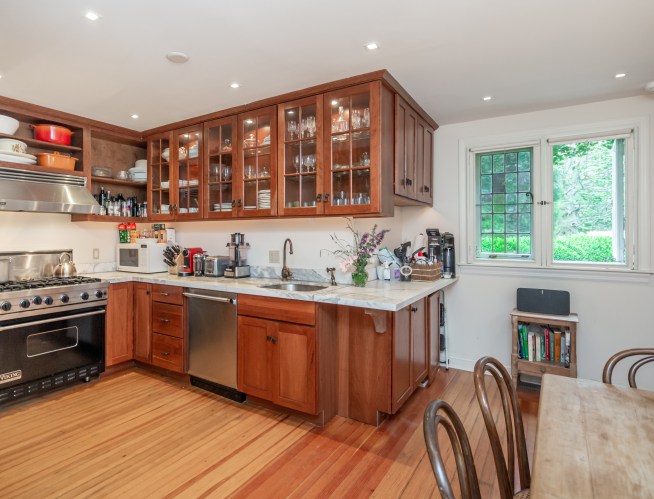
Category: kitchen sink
<point>294,286</point>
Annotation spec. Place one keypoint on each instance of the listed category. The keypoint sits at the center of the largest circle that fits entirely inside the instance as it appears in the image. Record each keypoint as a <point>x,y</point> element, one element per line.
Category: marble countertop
<point>381,295</point>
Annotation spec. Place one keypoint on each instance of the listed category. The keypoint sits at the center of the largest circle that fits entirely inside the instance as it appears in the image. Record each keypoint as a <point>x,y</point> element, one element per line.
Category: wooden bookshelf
<point>537,368</point>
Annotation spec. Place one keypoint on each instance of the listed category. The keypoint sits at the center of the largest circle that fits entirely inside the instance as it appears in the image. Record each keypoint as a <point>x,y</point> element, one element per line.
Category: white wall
<point>613,315</point>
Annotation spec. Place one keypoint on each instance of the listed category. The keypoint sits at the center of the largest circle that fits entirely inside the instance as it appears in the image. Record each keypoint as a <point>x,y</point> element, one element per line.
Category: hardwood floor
<point>137,434</point>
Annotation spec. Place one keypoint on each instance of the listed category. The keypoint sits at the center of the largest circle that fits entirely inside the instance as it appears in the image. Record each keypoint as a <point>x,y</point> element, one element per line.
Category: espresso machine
<point>238,249</point>
<point>434,249</point>
<point>449,260</point>
<point>189,259</point>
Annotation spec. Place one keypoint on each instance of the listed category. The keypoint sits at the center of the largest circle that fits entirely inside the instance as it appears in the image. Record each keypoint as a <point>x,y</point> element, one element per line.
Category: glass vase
<point>360,275</point>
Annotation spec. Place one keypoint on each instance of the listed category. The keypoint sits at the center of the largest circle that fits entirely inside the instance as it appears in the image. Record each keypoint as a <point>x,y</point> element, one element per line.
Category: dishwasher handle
<point>212,298</point>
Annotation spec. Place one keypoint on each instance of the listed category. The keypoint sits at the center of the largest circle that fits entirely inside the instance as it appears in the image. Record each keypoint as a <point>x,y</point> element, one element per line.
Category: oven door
<point>37,347</point>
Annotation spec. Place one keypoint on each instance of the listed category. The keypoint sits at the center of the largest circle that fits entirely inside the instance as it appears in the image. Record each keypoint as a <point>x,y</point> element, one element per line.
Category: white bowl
<point>141,163</point>
<point>13,145</point>
<point>8,124</point>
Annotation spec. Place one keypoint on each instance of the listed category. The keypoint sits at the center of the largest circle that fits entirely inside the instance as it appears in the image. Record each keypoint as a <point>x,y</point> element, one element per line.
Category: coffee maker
<point>434,250</point>
<point>237,257</point>
<point>188,254</point>
<point>449,260</point>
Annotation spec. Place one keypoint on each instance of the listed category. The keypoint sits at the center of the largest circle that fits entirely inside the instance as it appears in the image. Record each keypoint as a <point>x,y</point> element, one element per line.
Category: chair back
<point>440,413</point>
<point>648,354</point>
<point>516,444</point>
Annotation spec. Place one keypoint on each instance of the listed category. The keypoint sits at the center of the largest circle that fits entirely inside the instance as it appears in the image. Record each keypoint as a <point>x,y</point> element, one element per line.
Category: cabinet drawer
<point>167,294</point>
<point>168,319</point>
<point>168,352</point>
<point>278,309</point>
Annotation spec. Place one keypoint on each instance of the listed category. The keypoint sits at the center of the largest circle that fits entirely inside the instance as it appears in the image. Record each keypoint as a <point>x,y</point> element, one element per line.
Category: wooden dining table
<point>593,441</point>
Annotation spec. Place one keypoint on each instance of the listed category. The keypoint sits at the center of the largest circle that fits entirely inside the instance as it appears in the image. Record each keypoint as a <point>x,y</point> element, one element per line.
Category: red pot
<point>52,133</point>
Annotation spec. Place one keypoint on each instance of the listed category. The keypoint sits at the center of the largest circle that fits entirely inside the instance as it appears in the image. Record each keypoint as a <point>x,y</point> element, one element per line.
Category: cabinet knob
<point>238,203</point>
<point>233,203</point>
<point>425,188</point>
<point>409,182</point>
<point>319,198</point>
<point>268,338</point>
<point>414,309</point>
<point>274,340</point>
<point>326,198</point>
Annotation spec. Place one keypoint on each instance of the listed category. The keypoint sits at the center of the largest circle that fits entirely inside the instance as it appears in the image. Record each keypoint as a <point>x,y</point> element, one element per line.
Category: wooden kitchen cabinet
<point>119,329</point>
<point>255,178</point>
<point>168,328</point>
<point>414,142</point>
<point>143,322</point>
<point>220,152</point>
<point>175,174</point>
<point>277,359</point>
<point>433,333</point>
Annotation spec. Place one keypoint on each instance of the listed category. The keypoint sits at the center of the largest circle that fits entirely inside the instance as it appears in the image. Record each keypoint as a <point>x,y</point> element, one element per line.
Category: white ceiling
<point>527,54</point>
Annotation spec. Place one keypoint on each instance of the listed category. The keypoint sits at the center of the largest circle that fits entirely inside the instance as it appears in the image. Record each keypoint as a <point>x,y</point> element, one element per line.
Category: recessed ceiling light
<point>92,16</point>
<point>135,116</point>
<point>235,85</point>
<point>372,46</point>
<point>488,97</point>
<point>620,75</point>
<point>177,57</point>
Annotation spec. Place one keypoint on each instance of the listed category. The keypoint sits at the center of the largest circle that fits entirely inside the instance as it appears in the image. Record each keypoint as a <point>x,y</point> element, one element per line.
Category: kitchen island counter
<point>380,295</point>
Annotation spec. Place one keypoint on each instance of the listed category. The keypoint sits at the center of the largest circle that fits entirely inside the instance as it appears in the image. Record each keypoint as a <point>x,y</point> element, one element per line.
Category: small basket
<point>430,272</point>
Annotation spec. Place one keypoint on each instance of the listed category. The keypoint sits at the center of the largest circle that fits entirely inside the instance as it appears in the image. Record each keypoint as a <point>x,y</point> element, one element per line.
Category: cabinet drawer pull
<point>164,294</point>
<point>161,319</point>
<point>165,354</point>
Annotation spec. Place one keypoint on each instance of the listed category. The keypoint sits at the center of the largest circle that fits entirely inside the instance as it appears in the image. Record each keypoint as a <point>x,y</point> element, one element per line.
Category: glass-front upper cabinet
<point>352,150</point>
<point>187,150</point>
<point>255,189</point>
<point>221,145</point>
<point>300,153</point>
<point>161,177</point>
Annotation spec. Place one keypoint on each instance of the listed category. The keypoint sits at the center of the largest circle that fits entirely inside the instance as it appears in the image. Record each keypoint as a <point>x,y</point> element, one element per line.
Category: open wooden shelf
<point>41,144</point>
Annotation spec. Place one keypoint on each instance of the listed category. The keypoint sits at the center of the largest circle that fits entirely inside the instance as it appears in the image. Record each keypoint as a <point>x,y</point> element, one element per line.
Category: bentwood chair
<point>440,413</point>
<point>647,355</point>
<point>516,446</point>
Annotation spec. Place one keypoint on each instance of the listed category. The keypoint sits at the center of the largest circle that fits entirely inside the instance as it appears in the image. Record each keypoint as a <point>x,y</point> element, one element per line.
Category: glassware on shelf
<point>296,163</point>
<point>356,119</point>
<point>308,127</point>
<point>365,159</point>
<point>250,141</point>
<point>265,172</point>
<point>227,145</point>
<point>292,130</point>
<point>309,163</point>
<point>249,171</point>
<point>227,173</point>
<point>365,120</point>
<point>340,124</point>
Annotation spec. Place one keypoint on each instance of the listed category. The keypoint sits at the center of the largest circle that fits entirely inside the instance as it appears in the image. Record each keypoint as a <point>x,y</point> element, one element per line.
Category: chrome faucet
<point>286,272</point>
<point>331,271</point>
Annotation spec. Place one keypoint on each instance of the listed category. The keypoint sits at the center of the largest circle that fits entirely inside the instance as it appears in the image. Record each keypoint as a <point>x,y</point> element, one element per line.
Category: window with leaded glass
<point>505,202</point>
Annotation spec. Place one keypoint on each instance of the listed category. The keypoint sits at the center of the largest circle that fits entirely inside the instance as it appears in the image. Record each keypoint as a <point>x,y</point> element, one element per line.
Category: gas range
<point>51,294</point>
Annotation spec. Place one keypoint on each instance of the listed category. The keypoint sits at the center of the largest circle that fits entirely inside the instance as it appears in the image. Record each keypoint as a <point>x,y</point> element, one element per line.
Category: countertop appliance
<point>212,337</point>
<point>449,260</point>
<point>238,249</point>
<point>189,260</point>
<point>434,249</point>
<point>214,266</point>
<point>52,333</point>
<point>145,256</point>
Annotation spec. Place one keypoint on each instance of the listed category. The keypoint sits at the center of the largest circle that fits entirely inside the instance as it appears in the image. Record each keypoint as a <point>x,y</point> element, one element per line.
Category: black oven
<point>47,351</point>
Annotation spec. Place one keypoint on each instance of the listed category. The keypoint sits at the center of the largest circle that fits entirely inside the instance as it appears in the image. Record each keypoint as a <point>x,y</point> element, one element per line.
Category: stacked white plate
<point>264,199</point>
<point>17,157</point>
<point>139,173</point>
<point>222,207</point>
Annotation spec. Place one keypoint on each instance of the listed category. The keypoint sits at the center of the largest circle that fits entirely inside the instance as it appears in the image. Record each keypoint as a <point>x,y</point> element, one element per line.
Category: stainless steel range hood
<point>23,190</point>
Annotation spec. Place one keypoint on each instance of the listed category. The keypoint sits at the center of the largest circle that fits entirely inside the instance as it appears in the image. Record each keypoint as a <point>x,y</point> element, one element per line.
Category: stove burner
<point>45,283</point>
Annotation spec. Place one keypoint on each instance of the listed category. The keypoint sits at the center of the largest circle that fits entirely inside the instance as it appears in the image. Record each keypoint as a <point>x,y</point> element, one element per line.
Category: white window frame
<point>637,208</point>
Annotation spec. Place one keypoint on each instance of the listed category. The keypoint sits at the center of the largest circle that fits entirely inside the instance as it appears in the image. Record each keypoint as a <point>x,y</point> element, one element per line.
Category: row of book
<point>537,343</point>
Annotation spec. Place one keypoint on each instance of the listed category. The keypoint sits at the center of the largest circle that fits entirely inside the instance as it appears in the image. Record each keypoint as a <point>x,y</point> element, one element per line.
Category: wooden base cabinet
<point>277,360</point>
<point>118,332</point>
<point>143,322</point>
<point>168,328</point>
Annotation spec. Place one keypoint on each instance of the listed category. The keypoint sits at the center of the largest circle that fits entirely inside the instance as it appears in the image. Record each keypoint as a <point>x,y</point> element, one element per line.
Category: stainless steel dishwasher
<point>212,337</point>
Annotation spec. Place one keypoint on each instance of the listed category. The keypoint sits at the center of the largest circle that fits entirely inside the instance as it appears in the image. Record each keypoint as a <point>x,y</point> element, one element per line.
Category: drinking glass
<point>296,163</point>
<point>292,129</point>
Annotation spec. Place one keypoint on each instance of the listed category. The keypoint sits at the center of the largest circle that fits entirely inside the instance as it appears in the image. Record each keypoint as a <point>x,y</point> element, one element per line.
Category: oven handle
<point>46,321</point>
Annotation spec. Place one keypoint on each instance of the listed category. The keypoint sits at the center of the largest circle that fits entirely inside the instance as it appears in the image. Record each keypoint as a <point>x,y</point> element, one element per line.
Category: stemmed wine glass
<point>292,129</point>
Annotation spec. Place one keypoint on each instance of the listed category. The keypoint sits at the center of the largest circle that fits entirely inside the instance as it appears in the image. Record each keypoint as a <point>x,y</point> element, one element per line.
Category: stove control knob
<point>84,296</point>
<point>24,303</point>
<point>64,298</point>
<point>5,306</point>
<point>48,300</point>
<point>98,294</point>
<point>37,300</point>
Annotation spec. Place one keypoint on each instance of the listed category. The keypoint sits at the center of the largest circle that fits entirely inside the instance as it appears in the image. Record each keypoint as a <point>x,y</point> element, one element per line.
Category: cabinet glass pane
<point>361,149</point>
<point>160,173</point>
<point>220,168</point>
<point>341,188</point>
<point>341,152</point>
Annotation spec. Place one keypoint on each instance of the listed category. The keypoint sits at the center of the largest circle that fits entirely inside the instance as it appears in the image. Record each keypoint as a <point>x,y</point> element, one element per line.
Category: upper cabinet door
<point>257,164</point>
<point>161,177</point>
<point>425,167</point>
<point>406,146</point>
<point>300,156</point>
<point>352,150</point>
<point>187,150</point>
<point>220,146</point>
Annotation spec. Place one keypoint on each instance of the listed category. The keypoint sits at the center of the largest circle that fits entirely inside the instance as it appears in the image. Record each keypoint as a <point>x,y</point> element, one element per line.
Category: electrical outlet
<point>273,256</point>
<point>96,253</point>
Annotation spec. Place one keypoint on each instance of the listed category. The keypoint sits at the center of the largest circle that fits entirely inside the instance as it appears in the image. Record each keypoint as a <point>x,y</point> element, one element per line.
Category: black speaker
<point>543,301</point>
